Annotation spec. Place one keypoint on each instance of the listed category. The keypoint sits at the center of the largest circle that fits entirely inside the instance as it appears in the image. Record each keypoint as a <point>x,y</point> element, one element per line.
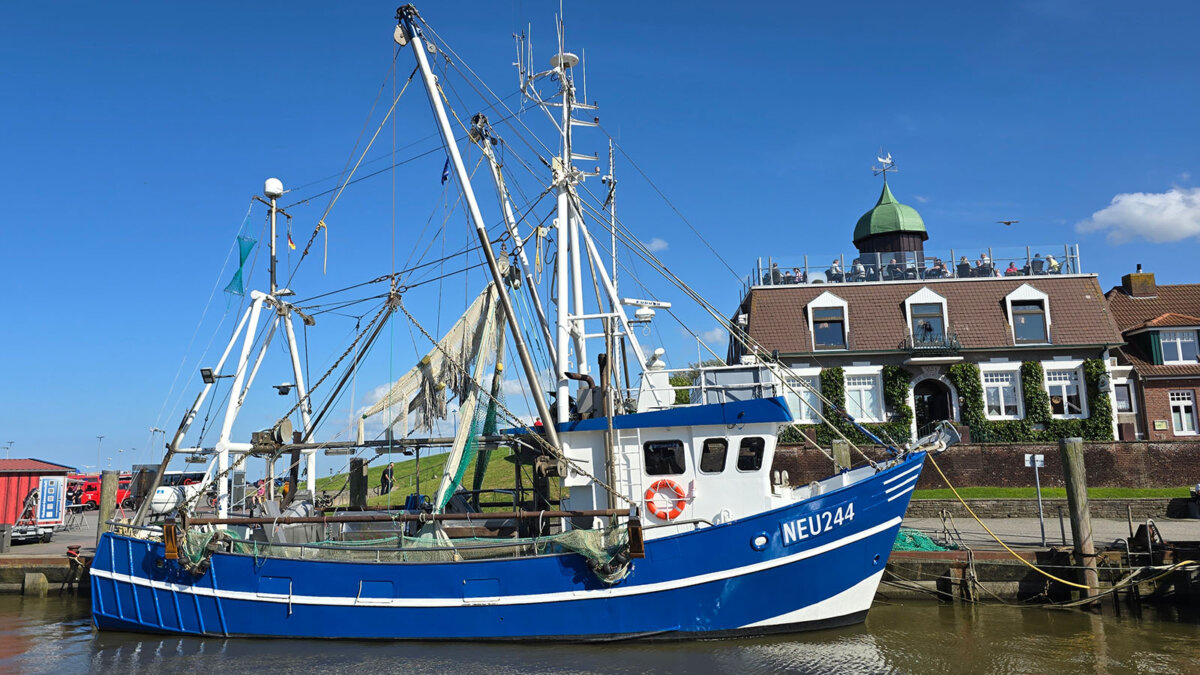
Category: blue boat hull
<point>811,564</point>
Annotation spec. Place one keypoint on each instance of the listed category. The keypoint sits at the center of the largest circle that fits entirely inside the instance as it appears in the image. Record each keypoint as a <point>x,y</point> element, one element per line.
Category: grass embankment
<point>499,476</point>
<point>1051,493</point>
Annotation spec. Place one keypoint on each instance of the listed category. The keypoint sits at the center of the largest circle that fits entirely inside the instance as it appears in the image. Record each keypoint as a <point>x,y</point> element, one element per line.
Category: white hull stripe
<point>560,596</point>
<point>902,474</point>
<point>902,492</point>
<point>897,486</point>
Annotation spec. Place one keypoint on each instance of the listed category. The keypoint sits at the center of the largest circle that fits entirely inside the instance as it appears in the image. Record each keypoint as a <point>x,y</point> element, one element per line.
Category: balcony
<point>925,345</point>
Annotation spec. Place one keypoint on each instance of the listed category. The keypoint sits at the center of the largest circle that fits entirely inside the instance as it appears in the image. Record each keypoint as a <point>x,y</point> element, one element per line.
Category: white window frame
<point>1190,407</point>
<point>1067,366</point>
<point>1026,293</point>
<point>925,297</point>
<point>1179,337</point>
<point>801,414</point>
<point>875,372</point>
<point>828,300</point>
<point>1133,404</point>
<point>1007,368</point>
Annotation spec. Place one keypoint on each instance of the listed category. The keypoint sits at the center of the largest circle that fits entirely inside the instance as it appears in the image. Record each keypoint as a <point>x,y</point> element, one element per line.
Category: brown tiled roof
<point>1172,320</point>
<point>1130,312</point>
<point>975,308</point>
<point>1133,356</point>
<point>32,465</point>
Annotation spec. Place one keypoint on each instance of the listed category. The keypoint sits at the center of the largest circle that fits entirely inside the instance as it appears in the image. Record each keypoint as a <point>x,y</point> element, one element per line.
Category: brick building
<point>903,340</point>
<point>1157,378</point>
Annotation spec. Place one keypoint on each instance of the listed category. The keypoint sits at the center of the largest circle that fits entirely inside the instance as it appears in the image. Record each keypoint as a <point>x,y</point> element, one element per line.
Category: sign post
<point>1038,461</point>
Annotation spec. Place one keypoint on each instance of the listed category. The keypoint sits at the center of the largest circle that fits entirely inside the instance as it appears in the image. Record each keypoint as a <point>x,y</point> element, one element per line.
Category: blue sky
<point>135,133</point>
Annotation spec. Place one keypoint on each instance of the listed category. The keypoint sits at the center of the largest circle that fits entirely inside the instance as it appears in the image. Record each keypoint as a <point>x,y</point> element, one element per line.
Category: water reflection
<point>55,635</point>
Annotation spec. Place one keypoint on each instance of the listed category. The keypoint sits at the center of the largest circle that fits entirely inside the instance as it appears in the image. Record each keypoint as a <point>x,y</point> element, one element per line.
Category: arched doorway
<point>931,404</point>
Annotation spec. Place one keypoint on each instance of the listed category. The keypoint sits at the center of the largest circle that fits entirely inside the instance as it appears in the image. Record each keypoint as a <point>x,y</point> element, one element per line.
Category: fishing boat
<point>671,522</point>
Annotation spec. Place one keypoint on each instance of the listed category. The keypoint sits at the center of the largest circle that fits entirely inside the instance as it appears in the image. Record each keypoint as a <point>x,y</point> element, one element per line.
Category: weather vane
<point>885,165</point>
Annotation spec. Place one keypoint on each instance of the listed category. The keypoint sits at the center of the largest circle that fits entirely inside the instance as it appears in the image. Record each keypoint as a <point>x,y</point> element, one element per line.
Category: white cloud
<point>922,199</point>
<point>714,336</point>
<point>1157,217</point>
<point>656,244</point>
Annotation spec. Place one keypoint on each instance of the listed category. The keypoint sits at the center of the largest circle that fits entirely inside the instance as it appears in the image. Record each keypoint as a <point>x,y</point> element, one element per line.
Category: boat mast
<point>481,133</point>
<point>409,32</point>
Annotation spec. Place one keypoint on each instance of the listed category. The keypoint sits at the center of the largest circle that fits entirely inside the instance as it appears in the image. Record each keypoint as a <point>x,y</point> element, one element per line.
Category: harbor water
<point>55,635</point>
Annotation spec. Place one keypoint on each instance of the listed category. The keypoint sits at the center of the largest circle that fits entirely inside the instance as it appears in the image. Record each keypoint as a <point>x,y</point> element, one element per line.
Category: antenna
<point>886,164</point>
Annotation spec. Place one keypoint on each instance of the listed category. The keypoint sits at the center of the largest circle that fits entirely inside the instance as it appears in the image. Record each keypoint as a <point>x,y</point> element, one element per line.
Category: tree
<point>685,378</point>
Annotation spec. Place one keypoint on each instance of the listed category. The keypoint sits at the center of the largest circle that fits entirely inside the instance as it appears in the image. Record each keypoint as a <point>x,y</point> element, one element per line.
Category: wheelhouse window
<point>1183,413</point>
<point>1178,346</point>
<point>928,325</point>
<point>712,455</point>
<point>1066,397</point>
<point>802,397</point>
<point>1029,322</point>
<point>1002,395</point>
<point>864,397</point>
<point>829,328</point>
<point>750,454</point>
<point>1124,397</point>
<point>663,458</point>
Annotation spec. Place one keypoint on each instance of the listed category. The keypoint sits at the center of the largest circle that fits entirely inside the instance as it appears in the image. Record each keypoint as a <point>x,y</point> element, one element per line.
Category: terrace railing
<point>914,265</point>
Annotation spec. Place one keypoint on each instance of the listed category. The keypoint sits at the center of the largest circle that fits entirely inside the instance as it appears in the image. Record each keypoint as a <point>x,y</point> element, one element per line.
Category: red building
<point>19,477</point>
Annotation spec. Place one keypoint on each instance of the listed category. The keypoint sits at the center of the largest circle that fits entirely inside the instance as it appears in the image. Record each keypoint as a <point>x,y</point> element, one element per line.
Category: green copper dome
<point>889,216</point>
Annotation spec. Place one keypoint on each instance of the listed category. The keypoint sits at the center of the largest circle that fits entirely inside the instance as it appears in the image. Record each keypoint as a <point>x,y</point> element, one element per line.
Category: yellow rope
<point>989,531</point>
<point>1035,568</point>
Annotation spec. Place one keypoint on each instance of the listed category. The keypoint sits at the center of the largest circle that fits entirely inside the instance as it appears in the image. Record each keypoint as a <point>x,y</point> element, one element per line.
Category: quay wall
<point>1130,464</point>
<point>1111,509</point>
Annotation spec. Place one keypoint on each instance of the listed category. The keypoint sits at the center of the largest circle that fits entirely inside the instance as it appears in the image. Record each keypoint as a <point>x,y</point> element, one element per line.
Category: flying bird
<point>1007,222</point>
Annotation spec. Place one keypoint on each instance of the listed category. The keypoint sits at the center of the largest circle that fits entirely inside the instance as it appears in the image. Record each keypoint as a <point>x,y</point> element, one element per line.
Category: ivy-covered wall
<point>1038,424</point>
<point>833,387</point>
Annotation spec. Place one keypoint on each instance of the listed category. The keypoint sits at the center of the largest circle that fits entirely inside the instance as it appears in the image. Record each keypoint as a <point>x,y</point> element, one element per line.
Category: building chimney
<point>1139,284</point>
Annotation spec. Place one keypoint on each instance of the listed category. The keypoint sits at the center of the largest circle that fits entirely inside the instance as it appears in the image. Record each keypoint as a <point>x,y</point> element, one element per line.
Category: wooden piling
<point>841,455</point>
<point>358,482</point>
<point>108,501</point>
<point>1075,477</point>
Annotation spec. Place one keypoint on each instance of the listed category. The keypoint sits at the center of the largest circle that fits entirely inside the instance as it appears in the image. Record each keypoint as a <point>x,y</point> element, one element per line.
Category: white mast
<point>482,133</point>
<point>562,184</point>
<point>407,32</point>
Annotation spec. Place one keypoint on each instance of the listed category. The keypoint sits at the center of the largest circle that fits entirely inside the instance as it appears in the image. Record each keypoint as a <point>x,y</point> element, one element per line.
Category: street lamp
<point>99,440</point>
<point>8,450</point>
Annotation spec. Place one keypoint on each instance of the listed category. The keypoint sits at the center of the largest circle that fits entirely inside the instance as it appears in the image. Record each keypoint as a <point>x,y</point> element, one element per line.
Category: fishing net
<point>909,539</point>
<point>484,457</point>
<point>599,547</point>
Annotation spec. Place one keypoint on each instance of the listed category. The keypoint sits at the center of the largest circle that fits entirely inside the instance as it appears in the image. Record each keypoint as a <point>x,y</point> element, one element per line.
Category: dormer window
<point>1029,322</point>
<point>1029,315</point>
<point>1178,346</point>
<point>926,316</point>
<point>829,328</point>
<point>927,323</point>
<point>827,322</point>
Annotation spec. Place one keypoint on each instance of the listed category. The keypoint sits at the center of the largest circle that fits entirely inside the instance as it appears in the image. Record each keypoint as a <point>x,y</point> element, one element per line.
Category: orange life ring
<point>677,503</point>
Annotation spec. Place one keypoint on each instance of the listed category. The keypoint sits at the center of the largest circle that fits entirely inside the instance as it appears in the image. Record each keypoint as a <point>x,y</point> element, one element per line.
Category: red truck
<point>87,493</point>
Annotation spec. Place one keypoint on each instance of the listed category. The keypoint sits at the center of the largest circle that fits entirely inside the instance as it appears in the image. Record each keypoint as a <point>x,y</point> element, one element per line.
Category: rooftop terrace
<point>1009,261</point>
